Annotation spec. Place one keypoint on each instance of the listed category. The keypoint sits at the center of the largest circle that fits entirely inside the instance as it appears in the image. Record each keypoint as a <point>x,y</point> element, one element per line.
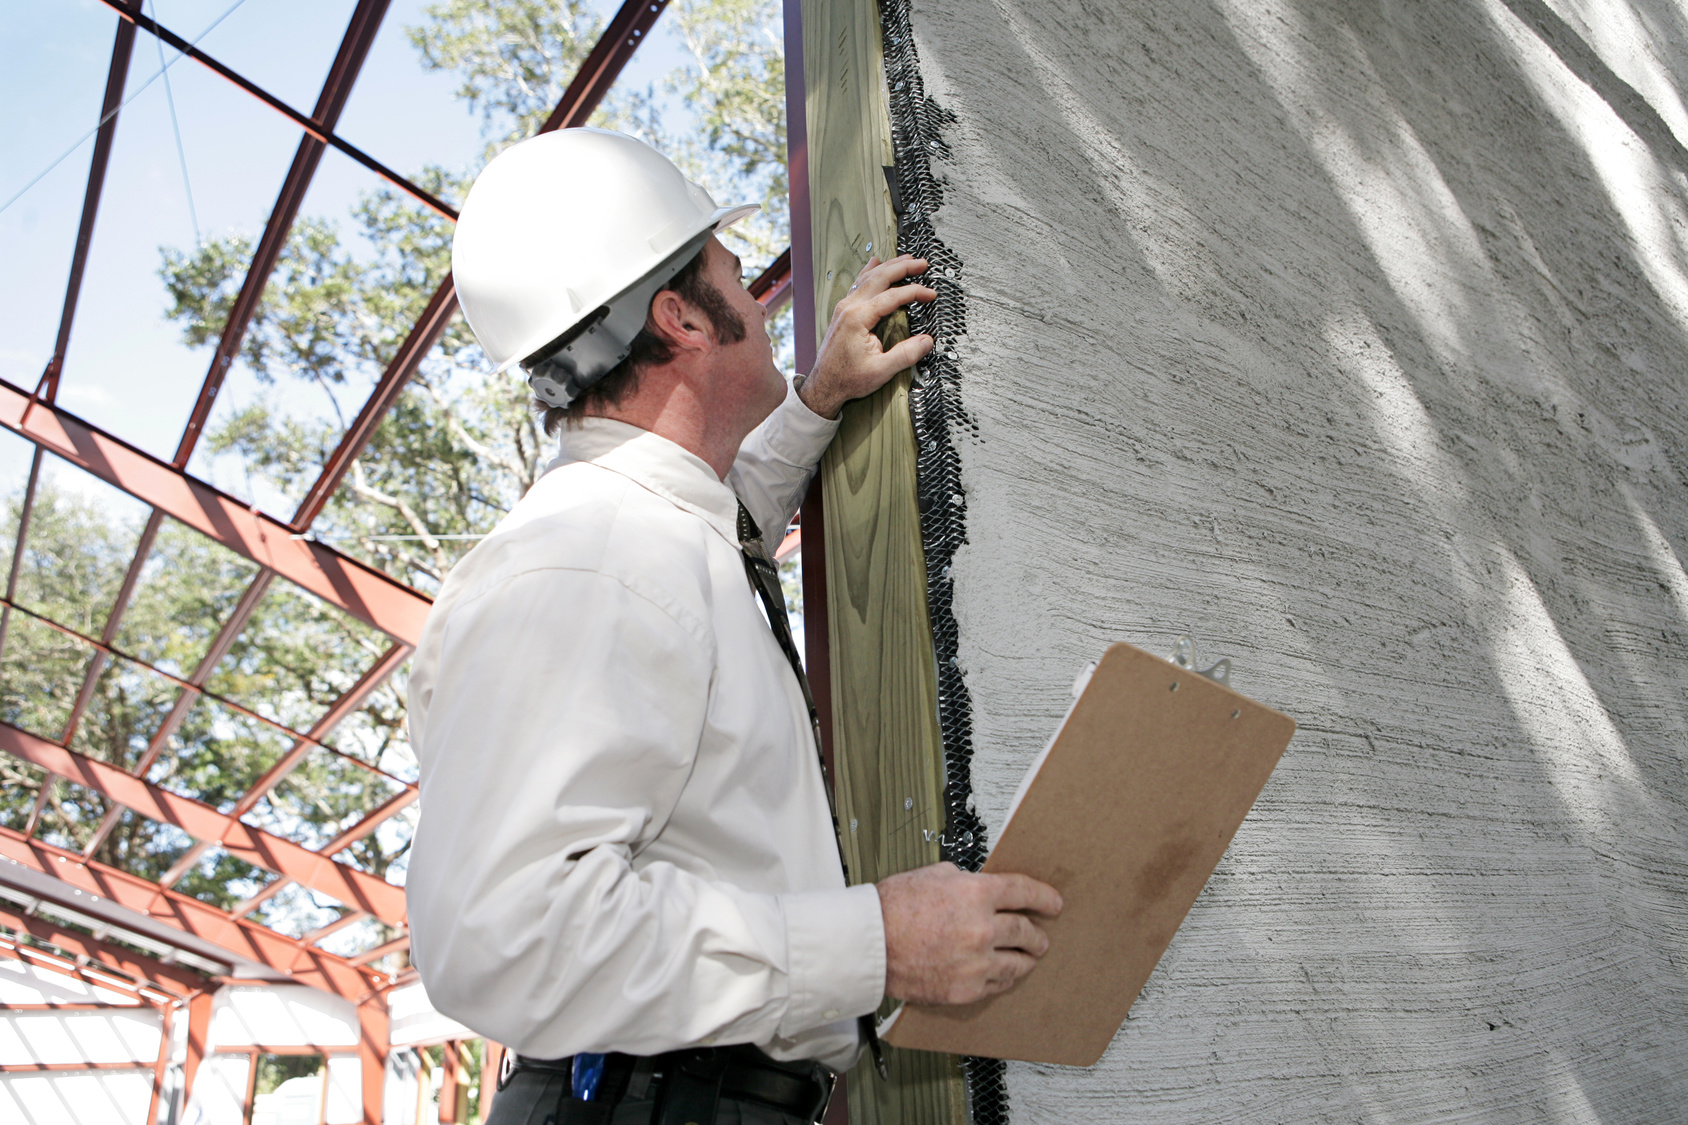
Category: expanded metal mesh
<point>917,125</point>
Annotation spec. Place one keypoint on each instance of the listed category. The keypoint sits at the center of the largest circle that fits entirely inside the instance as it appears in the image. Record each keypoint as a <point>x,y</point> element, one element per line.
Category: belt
<point>801,1089</point>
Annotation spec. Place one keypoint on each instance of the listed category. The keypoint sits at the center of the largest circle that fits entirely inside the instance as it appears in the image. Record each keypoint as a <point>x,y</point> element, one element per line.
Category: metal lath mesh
<point>917,124</point>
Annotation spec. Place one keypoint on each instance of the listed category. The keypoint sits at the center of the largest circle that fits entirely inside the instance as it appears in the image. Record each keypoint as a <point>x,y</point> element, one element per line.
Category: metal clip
<point>1184,655</point>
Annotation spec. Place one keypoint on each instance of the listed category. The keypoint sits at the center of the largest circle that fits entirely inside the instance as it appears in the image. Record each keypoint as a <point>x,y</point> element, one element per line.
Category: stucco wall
<point>1352,336</point>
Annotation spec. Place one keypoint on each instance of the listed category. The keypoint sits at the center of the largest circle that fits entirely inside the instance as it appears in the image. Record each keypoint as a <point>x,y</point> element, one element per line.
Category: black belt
<point>687,1083</point>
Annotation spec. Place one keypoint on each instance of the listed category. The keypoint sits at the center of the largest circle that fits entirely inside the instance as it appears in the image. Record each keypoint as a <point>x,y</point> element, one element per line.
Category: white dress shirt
<point>624,840</point>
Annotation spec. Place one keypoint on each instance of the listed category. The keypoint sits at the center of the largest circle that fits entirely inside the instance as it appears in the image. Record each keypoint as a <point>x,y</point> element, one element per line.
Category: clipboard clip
<point>1184,655</point>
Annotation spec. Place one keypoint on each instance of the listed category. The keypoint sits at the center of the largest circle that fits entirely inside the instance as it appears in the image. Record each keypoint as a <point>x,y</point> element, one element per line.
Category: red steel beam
<point>199,1041</point>
<point>374,1041</point>
<point>143,995</point>
<point>121,52</point>
<point>362,591</point>
<point>442,306</point>
<point>358,889</point>
<point>626,31</point>
<point>240,937</point>
<point>357,831</point>
<point>773,286</point>
<point>336,89</point>
<point>173,979</point>
<point>344,706</point>
<point>380,951</point>
<point>31,1068</point>
<point>166,1040</point>
<point>326,136</point>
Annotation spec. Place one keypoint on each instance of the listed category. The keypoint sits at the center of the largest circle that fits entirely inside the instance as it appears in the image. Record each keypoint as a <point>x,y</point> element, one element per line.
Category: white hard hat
<point>574,230</point>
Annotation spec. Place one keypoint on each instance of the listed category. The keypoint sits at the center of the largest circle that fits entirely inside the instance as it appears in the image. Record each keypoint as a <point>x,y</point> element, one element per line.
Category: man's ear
<point>674,319</point>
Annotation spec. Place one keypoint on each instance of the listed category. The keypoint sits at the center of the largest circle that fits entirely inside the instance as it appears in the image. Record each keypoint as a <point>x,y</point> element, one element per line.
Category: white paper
<point>1079,685</point>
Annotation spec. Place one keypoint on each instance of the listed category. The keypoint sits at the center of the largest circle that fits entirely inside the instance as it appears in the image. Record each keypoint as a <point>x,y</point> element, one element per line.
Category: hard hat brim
<point>721,219</point>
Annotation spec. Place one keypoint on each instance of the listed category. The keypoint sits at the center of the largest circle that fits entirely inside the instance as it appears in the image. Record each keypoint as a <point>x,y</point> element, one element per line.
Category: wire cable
<point>180,55</point>
<point>176,127</point>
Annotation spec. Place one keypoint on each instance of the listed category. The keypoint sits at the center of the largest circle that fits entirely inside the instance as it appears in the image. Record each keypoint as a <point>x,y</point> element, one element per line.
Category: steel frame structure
<point>279,548</point>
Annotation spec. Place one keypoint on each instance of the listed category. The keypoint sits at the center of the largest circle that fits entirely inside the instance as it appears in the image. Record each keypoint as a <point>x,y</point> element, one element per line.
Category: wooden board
<point>887,748</point>
<point>1129,814</point>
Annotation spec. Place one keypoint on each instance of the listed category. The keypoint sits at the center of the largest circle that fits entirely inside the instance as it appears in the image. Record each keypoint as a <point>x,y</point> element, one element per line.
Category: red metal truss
<point>627,30</point>
<point>175,980</point>
<point>121,52</point>
<point>241,938</point>
<point>442,306</point>
<point>358,889</point>
<point>310,126</point>
<point>302,746</point>
<point>336,89</point>
<point>368,823</point>
<point>361,591</point>
<point>773,287</point>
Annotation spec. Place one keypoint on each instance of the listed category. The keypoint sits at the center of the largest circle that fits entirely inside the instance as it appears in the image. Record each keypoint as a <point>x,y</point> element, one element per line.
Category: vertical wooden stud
<point>886,742</point>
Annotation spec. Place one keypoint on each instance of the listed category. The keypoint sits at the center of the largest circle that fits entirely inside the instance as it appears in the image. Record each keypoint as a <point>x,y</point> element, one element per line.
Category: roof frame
<point>364,593</point>
<point>242,939</point>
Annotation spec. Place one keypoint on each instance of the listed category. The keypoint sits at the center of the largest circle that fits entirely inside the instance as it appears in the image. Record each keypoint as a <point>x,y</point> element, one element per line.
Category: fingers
<point>907,354</point>
<point>1016,931</point>
<point>885,303</point>
<point>1006,968</point>
<point>1022,892</point>
<point>876,276</point>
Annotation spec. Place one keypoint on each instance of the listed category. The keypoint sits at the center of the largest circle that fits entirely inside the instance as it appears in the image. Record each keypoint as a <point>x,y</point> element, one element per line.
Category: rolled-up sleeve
<point>558,745</point>
<point>777,461</point>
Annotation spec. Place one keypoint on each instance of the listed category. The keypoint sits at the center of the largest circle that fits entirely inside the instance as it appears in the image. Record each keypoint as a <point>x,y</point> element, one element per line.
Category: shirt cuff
<point>835,945</point>
<point>796,434</point>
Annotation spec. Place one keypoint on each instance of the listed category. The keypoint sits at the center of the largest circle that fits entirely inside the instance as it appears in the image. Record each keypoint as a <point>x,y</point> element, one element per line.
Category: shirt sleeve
<point>776,462</point>
<point>561,729</point>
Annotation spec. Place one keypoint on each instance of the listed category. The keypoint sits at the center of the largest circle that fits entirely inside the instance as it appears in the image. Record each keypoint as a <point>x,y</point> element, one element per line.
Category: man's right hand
<point>953,937</point>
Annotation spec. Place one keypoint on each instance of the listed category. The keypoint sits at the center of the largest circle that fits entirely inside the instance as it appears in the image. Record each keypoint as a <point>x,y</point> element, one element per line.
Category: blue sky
<point>126,368</point>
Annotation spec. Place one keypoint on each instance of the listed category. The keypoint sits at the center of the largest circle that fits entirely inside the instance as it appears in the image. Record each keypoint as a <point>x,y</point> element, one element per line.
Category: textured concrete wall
<point>1351,335</point>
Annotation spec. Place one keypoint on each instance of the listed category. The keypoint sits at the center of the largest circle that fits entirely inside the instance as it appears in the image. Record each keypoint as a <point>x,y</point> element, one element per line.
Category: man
<point>625,846</point>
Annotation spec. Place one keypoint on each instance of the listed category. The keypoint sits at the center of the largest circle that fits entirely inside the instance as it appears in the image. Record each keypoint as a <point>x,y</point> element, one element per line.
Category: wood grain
<point>887,749</point>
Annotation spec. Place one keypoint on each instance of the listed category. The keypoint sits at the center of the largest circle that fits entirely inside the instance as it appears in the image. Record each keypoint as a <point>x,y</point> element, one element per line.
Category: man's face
<point>747,366</point>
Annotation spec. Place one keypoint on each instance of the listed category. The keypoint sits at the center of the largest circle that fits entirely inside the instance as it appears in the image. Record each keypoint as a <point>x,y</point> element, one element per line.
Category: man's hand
<point>851,362</point>
<point>953,938</point>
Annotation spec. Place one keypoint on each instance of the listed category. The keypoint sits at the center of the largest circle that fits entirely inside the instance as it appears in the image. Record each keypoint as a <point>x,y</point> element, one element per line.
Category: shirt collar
<point>656,464</point>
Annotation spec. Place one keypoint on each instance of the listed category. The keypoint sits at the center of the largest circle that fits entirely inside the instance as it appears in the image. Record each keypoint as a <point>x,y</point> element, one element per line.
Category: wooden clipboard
<point>1127,816</point>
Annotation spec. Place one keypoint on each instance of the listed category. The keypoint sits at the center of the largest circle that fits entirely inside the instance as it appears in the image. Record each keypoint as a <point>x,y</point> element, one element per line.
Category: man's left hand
<point>851,363</point>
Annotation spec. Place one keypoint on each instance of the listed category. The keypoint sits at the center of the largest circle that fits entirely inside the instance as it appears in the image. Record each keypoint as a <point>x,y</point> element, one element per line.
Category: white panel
<point>283,1016</point>
<point>399,1089</point>
<point>77,1037</point>
<point>219,1092</point>
<point>345,1090</point>
<point>414,1019</point>
<point>298,1101</point>
<point>76,1098</point>
<point>22,983</point>
<point>115,1036</point>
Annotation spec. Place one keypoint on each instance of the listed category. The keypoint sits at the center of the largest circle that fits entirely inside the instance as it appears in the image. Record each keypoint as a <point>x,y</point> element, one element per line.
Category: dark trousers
<point>533,1098</point>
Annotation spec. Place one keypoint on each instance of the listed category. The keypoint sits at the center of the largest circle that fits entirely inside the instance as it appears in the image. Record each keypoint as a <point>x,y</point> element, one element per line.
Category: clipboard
<point>1127,815</point>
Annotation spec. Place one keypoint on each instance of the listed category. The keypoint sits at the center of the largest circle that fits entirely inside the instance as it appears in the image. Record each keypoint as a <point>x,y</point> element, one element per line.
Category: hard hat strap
<point>595,345</point>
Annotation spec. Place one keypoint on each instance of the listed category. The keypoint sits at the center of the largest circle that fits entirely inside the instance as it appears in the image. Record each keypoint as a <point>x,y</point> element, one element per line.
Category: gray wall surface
<point>1351,335</point>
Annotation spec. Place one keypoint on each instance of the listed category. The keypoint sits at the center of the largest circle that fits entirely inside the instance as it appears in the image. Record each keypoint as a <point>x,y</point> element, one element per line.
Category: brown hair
<point>650,349</point>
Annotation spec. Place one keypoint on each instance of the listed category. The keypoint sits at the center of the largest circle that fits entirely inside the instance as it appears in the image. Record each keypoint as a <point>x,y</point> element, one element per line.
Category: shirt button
<point>830,1014</point>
